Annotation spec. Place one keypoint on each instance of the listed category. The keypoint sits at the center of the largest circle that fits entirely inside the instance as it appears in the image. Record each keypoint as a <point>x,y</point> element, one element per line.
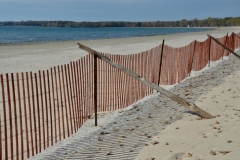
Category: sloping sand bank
<point>193,138</point>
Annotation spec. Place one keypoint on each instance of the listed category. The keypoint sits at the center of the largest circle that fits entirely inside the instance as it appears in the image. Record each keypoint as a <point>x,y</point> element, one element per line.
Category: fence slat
<point>10,116</point>
<point>65,99</point>
<point>54,106</point>
<point>4,119</point>
<point>25,115</point>
<point>79,97</point>
<point>58,105</point>
<point>38,114</point>
<point>61,99</point>
<point>71,107</point>
<point>15,115</point>
<point>20,117</point>
<point>76,95</point>
<point>46,107</point>
<point>50,107</point>
<point>34,113</point>
<point>42,108</point>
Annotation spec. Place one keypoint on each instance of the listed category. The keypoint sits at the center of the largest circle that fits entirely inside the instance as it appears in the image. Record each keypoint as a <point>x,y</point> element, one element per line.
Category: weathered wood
<point>189,105</point>
<point>192,57</point>
<point>95,88</point>
<point>209,53</point>
<point>236,35</point>
<point>10,115</point>
<point>160,65</point>
<point>235,54</point>
<point>225,45</point>
<point>15,115</point>
<point>4,119</point>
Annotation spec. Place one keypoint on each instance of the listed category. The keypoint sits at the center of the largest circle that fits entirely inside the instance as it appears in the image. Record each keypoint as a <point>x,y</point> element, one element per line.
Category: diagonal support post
<point>189,105</point>
<point>235,54</point>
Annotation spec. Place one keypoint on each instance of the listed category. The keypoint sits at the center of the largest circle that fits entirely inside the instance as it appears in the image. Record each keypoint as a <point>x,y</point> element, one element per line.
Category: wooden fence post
<point>187,104</point>
<point>160,65</point>
<point>209,53</point>
<point>192,57</point>
<point>95,87</point>
<point>235,54</point>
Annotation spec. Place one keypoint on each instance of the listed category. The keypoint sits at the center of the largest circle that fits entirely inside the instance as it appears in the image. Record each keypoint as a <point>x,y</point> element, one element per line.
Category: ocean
<point>22,34</point>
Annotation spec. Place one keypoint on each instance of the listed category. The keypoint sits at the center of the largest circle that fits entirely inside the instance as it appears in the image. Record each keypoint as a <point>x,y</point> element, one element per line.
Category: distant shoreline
<point>35,35</point>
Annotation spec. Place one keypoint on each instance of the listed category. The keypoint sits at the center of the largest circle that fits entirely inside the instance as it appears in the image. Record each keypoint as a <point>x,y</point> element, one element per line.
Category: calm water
<point>11,34</point>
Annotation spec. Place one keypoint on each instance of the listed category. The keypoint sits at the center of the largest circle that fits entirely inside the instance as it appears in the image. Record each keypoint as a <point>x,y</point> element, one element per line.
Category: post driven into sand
<point>189,105</point>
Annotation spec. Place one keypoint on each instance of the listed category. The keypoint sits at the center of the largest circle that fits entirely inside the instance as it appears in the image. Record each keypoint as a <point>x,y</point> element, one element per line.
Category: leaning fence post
<point>187,104</point>
<point>235,54</point>
<point>95,87</point>
<point>209,52</point>
<point>192,57</point>
<point>160,66</point>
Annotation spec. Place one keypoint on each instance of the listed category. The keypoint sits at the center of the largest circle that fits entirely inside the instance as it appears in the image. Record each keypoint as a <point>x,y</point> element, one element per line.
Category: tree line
<point>209,22</point>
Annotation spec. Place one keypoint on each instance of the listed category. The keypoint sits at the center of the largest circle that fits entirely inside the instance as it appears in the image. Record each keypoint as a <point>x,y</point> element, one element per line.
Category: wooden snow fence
<point>187,104</point>
<point>40,109</point>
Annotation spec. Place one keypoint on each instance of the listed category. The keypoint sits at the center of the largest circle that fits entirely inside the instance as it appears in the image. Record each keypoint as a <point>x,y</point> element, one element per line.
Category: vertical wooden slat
<point>5,119</point>
<point>65,100</point>
<point>50,107</point>
<point>128,89</point>
<point>15,116</point>
<point>76,93</point>
<point>34,113</point>
<point>113,84</point>
<point>82,75</point>
<point>10,116</point>
<point>61,99</point>
<point>20,116</point>
<point>95,88</point>
<point>104,86</point>
<point>225,45</point>
<point>192,57</point>
<point>86,76</point>
<point>58,104</point>
<point>81,90</point>
<point>46,107</point>
<point>101,83</point>
<point>54,106</point>
<point>86,89</point>
<point>209,58</point>
<point>42,107</point>
<point>38,110</point>
<point>74,104</point>
<point>118,79</point>
<point>79,104</point>
<point>90,86</point>
<point>25,115</point>
<point>70,97</point>
<point>123,82</point>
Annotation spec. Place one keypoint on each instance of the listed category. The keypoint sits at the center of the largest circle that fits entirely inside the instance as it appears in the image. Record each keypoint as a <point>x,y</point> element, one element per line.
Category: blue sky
<point>117,10</point>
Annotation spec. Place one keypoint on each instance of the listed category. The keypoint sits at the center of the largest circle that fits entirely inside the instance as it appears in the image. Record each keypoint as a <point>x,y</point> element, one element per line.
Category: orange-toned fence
<point>40,109</point>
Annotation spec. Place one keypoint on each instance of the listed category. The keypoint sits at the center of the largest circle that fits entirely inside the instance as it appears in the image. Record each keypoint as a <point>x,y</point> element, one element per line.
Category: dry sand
<point>192,138</point>
<point>188,135</point>
<point>42,56</point>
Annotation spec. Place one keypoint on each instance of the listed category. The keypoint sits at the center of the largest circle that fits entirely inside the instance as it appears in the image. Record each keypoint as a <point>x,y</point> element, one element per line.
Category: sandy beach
<point>41,56</point>
<point>215,89</point>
